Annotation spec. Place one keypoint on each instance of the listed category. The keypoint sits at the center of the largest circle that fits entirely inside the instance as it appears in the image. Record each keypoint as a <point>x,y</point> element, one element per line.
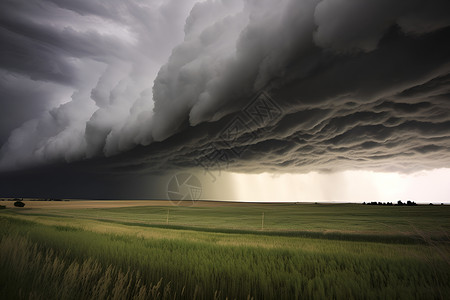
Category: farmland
<point>224,250</point>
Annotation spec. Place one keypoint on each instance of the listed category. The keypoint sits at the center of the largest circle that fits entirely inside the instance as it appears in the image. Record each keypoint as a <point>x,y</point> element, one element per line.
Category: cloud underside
<point>241,86</point>
<point>406,132</point>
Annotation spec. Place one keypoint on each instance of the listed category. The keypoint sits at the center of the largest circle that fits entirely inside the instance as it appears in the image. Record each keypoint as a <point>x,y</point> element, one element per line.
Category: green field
<point>294,252</point>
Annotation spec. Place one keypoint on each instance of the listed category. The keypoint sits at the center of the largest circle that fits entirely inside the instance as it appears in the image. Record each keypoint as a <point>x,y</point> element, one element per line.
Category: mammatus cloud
<point>359,84</point>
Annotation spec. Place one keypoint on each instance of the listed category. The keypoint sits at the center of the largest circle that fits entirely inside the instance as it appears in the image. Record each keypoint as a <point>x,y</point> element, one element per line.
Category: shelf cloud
<point>242,85</point>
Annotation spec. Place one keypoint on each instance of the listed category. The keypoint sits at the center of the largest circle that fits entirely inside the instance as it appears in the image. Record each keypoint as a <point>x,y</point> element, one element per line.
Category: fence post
<point>262,221</point>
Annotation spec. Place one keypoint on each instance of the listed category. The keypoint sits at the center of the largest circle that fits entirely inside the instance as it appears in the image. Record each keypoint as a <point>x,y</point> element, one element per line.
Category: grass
<point>39,273</point>
<point>208,253</point>
<point>339,217</point>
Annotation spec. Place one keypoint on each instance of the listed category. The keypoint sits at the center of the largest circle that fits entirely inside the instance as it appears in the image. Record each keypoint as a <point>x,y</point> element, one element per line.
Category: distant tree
<point>399,202</point>
<point>364,203</point>
<point>430,204</point>
<point>19,204</point>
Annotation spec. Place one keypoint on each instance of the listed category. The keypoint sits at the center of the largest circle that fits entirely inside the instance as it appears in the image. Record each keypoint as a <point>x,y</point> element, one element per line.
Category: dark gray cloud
<point>145,88</point>
<point>97,62</point>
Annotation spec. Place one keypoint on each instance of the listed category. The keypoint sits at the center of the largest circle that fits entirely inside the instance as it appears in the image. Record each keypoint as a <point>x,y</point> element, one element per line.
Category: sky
<point>330,100</point>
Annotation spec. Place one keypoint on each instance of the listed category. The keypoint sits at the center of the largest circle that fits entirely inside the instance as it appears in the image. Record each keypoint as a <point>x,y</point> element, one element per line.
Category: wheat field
<point>159,252</point>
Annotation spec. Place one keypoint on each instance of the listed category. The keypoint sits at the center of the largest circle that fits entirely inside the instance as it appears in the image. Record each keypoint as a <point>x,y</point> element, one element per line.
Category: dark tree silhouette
<point>19,204</point>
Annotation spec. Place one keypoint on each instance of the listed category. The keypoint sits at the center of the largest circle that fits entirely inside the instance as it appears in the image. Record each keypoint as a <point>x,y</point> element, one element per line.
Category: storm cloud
<point>241,85</point>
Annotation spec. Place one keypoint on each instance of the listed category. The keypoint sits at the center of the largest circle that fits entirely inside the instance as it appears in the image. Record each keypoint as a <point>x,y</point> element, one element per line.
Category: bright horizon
<point>349,186</point>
